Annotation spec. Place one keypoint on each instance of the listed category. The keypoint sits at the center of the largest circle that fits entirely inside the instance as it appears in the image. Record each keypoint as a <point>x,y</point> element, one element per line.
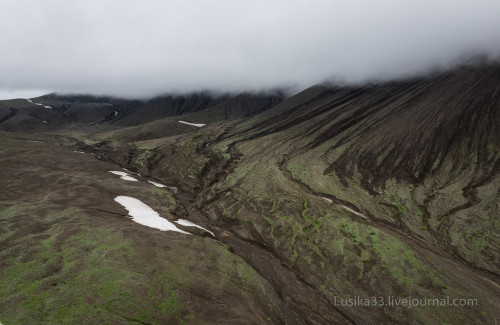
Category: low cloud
<point>143,48</point>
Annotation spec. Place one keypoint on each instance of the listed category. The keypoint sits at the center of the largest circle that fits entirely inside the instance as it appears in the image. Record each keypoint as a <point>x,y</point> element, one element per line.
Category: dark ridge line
<point>13,112</point>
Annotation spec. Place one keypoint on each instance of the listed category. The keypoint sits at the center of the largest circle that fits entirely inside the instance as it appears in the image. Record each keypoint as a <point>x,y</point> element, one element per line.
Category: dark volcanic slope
<point>167,106</point>
<point>239,106</point>
<point>57,111</point>
<point>407,129</point>
<point>20,115</point>
<point>203,107</point>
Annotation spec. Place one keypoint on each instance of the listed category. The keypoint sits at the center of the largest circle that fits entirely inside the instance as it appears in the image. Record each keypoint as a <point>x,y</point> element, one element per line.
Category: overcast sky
<point>146,47</point>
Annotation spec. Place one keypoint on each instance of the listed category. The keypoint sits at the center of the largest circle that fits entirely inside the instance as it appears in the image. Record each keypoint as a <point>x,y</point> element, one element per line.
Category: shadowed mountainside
<point>57,111</point>
<point>403,129</point>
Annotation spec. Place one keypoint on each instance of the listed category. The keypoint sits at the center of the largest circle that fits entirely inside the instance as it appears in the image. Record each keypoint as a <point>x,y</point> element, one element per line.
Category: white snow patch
<point>35,141</point>
<point>193,124</point>
<point>355,212</point>
<point>347,208</point>
<point>118,173</point>
<point>144,215</point>
<point>123,175</point>
<point>156,184</point>
<point>187,223</point>
<point>128,178</point>
<point>78,151</point>
<point>32,102</point>
<point>116,113</point>
<point>44,122</point>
